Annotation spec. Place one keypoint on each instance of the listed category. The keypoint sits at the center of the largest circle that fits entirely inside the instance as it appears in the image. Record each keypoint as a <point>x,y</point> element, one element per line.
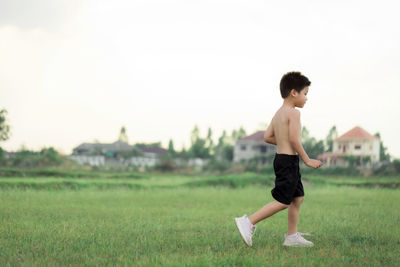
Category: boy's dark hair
<point>293,80</point>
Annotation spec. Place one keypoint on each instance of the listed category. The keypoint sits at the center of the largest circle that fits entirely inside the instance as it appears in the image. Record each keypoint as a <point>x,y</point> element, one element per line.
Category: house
<point>358,143</point>
<point>117,153</point>
<point>252,146</point>
<point>98,148</point>
<point>8,155</point>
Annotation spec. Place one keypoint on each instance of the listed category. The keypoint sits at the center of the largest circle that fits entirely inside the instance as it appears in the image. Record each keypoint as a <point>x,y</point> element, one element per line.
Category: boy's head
<point>293,80</point>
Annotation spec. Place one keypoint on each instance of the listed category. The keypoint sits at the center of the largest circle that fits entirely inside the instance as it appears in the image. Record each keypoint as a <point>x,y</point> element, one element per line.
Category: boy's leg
<point>267,211</point>
<point>293,214</point>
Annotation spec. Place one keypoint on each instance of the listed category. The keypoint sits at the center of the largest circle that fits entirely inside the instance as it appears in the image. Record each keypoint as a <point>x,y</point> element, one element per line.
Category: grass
<point>387,181</point>
<point>12,172</point>
<point>188,221</point>
<point>134,181</point>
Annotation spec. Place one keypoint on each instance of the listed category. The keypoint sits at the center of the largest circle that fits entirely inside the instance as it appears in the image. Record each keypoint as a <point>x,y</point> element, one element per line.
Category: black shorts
<point>288,178</point>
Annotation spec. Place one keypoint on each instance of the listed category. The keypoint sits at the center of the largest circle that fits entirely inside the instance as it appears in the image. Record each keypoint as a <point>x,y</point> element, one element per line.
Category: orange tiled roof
<point>356,133</point>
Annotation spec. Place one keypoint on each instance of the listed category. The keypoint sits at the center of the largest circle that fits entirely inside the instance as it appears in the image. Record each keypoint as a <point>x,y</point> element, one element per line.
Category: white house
<point>97,154</point>
<point>356,142</point>
<point>252,146</point>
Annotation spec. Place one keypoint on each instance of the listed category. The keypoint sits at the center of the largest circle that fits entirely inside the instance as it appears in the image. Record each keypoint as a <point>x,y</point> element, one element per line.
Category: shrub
<point>165,165</point>
<point>215,165</point>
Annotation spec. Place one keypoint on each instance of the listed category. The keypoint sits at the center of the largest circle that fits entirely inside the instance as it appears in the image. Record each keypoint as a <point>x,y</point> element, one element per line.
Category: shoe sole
<point>240,231</point>
<point>298,245</point>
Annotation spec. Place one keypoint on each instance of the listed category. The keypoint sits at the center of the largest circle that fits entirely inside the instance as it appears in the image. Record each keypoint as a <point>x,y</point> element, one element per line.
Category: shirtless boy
<point>284,132</point>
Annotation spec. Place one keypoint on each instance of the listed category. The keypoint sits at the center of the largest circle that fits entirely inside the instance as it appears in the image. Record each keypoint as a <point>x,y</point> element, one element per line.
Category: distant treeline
<point>219,159</point>
<point>219,156</point>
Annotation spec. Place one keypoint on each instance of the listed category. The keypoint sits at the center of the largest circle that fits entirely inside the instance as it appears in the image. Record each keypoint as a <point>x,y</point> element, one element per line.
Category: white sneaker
<point>297,241</point>
<point>245,229</point>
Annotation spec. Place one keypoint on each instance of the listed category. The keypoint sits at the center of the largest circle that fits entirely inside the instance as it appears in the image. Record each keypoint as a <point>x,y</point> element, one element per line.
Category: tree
<point>382,154</point>
<point>237,134</point>
<point>184,153</point>
<point>4,127</point>
<point>365,159</point>
<point>225,146</point>
<point>123,137</point>
<point>227,152</point>
<point>155,144</point>
<point>198,147</point>
<point>352,160</point>
<point>194,135</point>
<point>221,139</point>
<point>171,150</point>
<point>136,152</point>
<point>312,146</point>
<point>50,156</point>
<point>209,142</point>
<point>396,165</point>
<point>305,134</point>
<point>220,146</point>
<point>332,135</point>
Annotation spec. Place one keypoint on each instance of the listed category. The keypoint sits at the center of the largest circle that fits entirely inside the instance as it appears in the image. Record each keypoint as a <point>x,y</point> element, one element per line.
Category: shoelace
<point>301,234</point>
<point>302,238</point>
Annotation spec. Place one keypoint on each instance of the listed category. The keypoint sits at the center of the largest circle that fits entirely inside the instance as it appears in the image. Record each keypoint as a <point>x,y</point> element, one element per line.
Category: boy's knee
<point>297,200</point>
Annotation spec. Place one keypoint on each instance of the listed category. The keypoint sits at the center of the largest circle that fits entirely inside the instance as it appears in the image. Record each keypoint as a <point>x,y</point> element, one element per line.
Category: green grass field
<point>189,221</point>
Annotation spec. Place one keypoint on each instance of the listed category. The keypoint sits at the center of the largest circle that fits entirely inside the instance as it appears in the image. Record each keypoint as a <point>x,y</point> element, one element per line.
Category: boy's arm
<point>294,139</point>
<point>269,135</point>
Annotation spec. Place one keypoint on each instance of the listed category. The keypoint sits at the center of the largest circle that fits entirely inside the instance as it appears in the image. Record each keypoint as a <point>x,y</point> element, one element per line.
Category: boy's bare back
<point>280,127</point>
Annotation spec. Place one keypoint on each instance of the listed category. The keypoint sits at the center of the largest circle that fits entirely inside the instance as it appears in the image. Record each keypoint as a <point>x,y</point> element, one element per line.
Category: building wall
<point>333,161</point>
<point>99,160</point>
<point>358,148</point>
<point>141,161</point>
<point>247,149</point>
<point>90,160</point>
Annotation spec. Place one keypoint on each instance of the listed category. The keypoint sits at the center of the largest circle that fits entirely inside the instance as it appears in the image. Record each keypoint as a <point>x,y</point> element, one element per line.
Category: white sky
<point>75,71</point>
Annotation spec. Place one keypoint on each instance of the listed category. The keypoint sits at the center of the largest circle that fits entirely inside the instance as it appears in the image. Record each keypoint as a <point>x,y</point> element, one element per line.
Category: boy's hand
<point>314,163</point>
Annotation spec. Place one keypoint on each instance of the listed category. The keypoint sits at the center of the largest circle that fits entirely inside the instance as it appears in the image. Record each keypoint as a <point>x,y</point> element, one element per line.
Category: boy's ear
<point>293,92</point>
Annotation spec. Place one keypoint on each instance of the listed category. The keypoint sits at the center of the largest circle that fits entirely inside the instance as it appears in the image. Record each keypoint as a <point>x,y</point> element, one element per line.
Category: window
<point>263,149</point>
<point>242,147</point>
<point>358,147</point>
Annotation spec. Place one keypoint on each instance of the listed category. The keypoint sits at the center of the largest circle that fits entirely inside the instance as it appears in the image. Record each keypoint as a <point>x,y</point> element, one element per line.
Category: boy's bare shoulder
<point>285,115</point>
<point>290,113</point>
<point>293,114</point>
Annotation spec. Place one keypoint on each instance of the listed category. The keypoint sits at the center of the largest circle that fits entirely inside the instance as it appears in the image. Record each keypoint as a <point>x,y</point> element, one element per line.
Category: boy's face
<point>301,97</point>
